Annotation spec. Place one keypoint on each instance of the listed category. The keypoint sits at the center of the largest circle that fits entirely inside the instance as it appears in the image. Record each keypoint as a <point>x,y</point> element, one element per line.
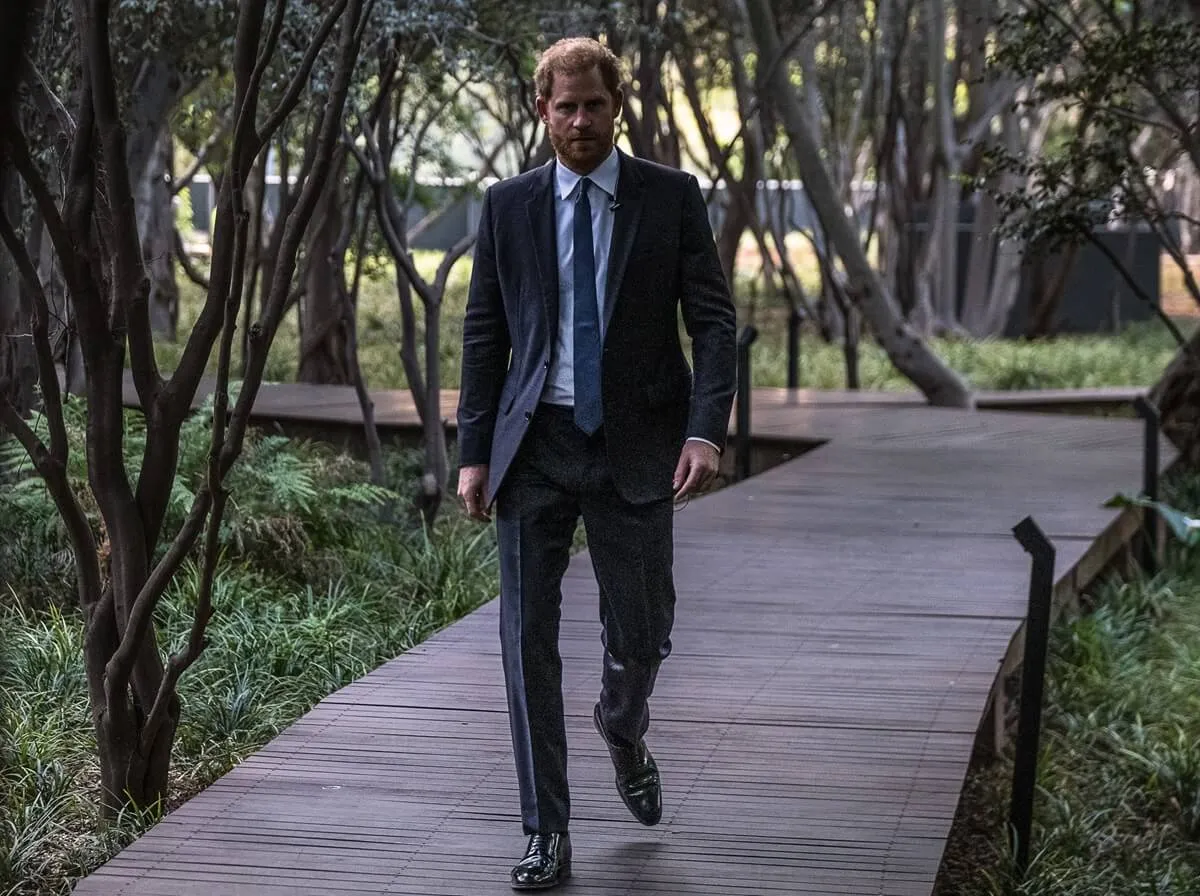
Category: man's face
<point>580,115</point>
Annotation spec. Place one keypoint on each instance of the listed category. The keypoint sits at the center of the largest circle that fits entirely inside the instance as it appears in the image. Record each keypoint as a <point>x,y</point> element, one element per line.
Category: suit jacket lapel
<point>626,216</point>
<point>542,228</point>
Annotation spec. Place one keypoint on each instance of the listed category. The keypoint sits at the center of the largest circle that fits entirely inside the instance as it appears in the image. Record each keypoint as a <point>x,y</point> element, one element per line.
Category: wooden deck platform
<point>841,622</point>
<point>337,407</point>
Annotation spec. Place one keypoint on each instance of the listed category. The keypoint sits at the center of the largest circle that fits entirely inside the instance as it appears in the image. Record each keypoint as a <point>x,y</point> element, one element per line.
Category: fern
<point>294,505</point>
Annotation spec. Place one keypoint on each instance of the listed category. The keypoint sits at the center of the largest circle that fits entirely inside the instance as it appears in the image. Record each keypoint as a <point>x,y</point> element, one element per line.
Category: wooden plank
<point>841,622</point>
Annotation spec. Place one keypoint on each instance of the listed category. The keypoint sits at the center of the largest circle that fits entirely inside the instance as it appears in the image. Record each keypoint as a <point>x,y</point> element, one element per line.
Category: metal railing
<point>1037,635</point>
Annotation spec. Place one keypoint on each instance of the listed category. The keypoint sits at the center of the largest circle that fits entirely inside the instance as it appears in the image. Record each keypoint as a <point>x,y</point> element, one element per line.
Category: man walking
<point>577,400</point>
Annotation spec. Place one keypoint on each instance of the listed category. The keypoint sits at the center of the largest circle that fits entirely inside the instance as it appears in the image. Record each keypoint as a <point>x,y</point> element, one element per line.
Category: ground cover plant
<point>316,588</point>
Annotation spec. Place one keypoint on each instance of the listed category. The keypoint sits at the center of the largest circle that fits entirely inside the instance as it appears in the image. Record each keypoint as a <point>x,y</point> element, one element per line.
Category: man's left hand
<point>697,468</point>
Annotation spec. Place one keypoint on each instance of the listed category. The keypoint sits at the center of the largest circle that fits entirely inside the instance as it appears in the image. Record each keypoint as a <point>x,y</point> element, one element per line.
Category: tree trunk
<point>437,464</point>
<point>18,366</point>
<point>64,335</point>
<point>938,287</point>
<point>1189,205</point>
<point>156,221</point>
<point>323,349</point>
<point>940,384</point>
<point>1177,396</point>
<point>349,302</point>
<point>95,236</point>
<point>980,260</point>
<point>259,267</point>
<point>1048,283</point>
<point>743,195</point>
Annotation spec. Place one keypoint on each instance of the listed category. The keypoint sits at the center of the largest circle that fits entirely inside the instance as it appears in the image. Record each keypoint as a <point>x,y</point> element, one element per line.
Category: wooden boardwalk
<point>336,406</point>
<point>841,622</point>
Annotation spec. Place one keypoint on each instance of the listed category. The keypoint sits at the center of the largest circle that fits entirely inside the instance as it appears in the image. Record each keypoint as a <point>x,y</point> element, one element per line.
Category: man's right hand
<point>472,480</point>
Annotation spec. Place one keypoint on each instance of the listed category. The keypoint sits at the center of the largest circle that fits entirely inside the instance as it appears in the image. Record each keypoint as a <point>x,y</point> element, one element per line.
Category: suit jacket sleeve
<point>711,322</point>
<point>486,347</point>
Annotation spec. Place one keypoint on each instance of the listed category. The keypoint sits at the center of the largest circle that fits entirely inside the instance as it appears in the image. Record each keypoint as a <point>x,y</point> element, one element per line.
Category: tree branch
<point>53,473</point>
<point>1136,288</point>
<point>184,181</point>
<point>449,260</point>
<point>249,69</point>
<point>142,613</point>
<point>185,262</point>
<point>320,149</point>
<point>389,213</point>
<point>51,396</point>
<point>118,190</point>
<point>48,102</point>
<point>295,87</point>
<point>80,200</point>
<point>180,661</point>
<point>42,197</point>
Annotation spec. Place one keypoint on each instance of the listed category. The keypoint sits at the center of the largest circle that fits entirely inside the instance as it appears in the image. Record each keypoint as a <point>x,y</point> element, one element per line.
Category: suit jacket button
<point>528,415</point>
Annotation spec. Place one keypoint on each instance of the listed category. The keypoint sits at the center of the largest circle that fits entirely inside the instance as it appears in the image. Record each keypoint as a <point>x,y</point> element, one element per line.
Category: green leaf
<point>1184,527</point>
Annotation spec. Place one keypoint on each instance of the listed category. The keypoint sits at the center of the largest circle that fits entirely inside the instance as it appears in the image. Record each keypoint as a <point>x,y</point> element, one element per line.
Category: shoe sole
<point>562,877</point>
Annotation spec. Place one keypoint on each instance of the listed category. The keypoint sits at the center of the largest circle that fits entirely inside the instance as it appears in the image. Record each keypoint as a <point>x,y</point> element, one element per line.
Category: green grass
<point>1134,357</point>
<point>1118,806</point>
<point>315,589</point>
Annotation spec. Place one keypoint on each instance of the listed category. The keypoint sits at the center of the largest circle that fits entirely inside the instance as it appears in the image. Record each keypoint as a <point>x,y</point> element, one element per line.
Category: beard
<point>582,156</point>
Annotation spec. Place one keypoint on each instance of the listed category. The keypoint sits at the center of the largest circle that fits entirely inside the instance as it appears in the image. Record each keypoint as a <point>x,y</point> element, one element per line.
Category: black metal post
<point>742,456</point>
<point>1033,675</point>
<point>795,319</point>
<point>1149,412</point>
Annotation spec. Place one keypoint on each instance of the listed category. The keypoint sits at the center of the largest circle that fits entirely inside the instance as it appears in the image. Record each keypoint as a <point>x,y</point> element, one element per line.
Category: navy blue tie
<point>588,413</point>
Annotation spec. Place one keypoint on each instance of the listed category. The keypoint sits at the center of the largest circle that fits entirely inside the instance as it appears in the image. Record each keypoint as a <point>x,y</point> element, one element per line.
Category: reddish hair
<point>572,55</point>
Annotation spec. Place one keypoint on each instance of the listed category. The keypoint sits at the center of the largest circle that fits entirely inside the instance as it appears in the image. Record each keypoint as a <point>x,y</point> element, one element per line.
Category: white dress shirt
<point>560,382</point>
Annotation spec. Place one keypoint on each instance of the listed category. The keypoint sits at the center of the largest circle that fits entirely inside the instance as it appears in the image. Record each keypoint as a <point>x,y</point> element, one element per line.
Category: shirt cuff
<point>705,441</point>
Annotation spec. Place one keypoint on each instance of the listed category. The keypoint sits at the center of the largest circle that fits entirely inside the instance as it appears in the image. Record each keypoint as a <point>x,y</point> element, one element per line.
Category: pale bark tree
<point>131,685</point>
<point>864,287</point>
<point>394,134</point>
<point>324,356</point>
<point>747,147</point>
<point>156,221</point>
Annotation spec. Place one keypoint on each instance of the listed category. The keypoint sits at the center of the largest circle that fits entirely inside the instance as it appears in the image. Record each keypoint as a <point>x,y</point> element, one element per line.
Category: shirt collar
<point>604,176</point>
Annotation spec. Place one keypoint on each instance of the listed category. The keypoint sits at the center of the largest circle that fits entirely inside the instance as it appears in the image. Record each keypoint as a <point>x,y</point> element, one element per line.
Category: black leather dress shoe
<point>637,776</point>
<point>547,863</point>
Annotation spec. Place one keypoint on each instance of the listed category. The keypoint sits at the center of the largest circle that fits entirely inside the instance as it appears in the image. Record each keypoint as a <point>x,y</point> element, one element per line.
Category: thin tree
<point>123,569</point>
<point>864,287</point>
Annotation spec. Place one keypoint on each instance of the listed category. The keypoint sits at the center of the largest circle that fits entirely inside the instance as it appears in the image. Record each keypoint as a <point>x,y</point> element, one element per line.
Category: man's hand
<point>698,464</point>
<point>472,480</point>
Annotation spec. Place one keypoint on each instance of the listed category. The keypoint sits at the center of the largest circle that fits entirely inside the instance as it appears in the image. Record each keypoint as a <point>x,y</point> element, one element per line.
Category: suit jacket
<point>662,260</point>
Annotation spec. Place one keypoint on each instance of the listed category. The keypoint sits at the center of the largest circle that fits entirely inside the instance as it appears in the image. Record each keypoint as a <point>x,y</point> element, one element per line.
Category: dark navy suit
<point>545,473</point>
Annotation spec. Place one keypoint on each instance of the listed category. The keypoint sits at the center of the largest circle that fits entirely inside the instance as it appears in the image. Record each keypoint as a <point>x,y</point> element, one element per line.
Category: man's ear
<point>618,104</point>
<point>543,109</point>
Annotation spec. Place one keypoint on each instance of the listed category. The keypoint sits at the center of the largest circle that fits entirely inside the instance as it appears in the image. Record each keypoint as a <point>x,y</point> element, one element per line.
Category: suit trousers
<point>559,475</point>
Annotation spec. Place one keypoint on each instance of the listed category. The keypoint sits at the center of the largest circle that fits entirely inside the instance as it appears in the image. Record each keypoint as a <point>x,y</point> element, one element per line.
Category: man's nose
<point>582,121</point>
